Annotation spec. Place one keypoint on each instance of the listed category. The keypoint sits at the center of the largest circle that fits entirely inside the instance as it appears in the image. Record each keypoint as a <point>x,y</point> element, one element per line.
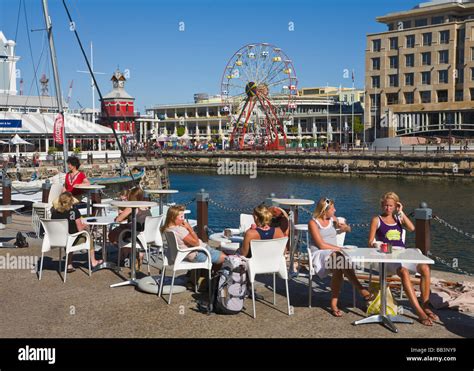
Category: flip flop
<point>431,315</point>
<point>71,270</point>
<point>99,262</point>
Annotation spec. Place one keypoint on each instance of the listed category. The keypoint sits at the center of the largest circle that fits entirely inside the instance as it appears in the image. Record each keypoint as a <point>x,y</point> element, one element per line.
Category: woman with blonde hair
<point>262,230</point>
<point>135,194</point>
<point>323,229</point>
<point>388,227</point>
<point>186,237</point>
<point>65,208</point>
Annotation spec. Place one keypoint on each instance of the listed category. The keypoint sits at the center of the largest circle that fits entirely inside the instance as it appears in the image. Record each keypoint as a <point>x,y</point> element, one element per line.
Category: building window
<point>392,98</point>
<point>393,43</point>
<point>393,81</point>
<point>406,24</point>
<point>117,107</point>
<point>375,64</point>
<point>409,98</point>
<point>437,20</point>
<point>444,37</point>
<point>421,22</point>
<point>410,60</point>
<point>426,78</point>
<point>375,100</point>
<point>410,40</point>
<point>443,76</point>
<point>442,96</point>
<point>427,39</point>
<point>472,94</point>
<point>443,56</point>
<point>426,59</point>
<point>409,79</point>
<point>472,73</point>
<point>394,62</point>
<point>472,52</point>
<point>425,96</point>
<point>375,82</point>
<point>460,76</point>
<point>376,45</point>
<point>459,96</point>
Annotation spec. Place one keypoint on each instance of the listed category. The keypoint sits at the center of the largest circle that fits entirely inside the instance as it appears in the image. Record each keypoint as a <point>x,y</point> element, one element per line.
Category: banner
<point>58,129</point>
<point>10,124</point>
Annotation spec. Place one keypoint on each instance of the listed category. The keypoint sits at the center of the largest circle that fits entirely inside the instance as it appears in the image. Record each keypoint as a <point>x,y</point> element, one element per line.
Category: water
<point>356,199</point>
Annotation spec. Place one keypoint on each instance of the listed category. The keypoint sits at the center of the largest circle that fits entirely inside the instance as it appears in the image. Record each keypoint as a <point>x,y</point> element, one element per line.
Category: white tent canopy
<point>16,140</point>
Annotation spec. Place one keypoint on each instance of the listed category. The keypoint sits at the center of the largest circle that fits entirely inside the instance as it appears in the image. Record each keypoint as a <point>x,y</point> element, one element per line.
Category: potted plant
<point>51,153</point>
<point>76,151</point>
<point>358,129</point>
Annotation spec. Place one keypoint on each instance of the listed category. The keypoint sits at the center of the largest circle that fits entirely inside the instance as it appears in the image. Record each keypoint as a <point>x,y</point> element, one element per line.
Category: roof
<point>43,123</point>
<point>118,93</point>
<point>29,101</point>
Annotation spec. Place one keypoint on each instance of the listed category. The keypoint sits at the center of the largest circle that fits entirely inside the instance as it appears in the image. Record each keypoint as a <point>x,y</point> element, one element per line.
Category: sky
<point>174,49</point>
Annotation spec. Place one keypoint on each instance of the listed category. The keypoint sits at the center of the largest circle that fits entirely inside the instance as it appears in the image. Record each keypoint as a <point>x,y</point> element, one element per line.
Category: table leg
<point>132,281</point>
<point>161,204</point>
<point>105,264</point>
<point>88,210</point>
<point>292,249</point>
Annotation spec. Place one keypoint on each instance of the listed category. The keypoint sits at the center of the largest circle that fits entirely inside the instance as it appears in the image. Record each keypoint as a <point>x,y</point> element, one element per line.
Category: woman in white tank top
<point>325,251</point>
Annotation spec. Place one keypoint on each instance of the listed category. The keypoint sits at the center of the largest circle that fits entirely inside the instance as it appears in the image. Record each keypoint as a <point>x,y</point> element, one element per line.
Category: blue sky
<point>168,65</point>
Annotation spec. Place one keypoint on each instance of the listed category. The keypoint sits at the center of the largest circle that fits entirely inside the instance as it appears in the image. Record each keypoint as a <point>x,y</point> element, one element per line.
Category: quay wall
<point>457,166</point>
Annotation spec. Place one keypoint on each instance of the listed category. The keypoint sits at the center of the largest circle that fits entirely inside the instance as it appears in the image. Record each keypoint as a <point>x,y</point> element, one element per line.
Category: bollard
<point>106,158</point>
<point>413,149</point>
<point>202,202</point>
<point>96,198</point>
<point>400,149</point>
<point>388,149</point>
<point>92,158</point>
<point>423,216</point>
<point>45,188</point>
<point>375,149</point>
<point>7,200</point>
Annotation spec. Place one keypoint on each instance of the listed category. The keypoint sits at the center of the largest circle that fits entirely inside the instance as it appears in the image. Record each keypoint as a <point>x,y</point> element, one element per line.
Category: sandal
<point>431,315</point>
<point>99,262</point>
<point>425,321</point>
<point>368,297</point>
<point>71,269</point>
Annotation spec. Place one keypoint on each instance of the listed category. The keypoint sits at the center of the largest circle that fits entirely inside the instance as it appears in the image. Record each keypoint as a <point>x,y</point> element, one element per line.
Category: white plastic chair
<point>42,210</point>
<point>268,256</point>
<point>246,221</point>
<point>174,258</point>
<point>57,236</point>
<point>149,236</point>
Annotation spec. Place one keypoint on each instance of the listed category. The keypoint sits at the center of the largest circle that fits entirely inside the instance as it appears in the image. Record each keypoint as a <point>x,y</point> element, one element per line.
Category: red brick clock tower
<point>119,106</point>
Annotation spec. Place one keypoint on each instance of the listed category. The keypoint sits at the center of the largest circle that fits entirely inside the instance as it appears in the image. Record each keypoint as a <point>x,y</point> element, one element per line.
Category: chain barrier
<point>452,265</point>
<point>230,209</point>
<point>453,228</point>
<point>185,204</point>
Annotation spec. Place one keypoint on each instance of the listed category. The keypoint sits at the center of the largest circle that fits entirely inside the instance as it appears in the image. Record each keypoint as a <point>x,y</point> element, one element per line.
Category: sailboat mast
<point>57,85</point>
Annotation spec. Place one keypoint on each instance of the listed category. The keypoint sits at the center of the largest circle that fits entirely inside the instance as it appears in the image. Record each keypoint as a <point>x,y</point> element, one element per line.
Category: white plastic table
<point>2,226</point>
<point>230,244</point>
<point>372,255</point>
<point>161,192</point>
<point>134,205</point>
<point>104,222</point>
<point>88,188</point>
<point>293,203</point>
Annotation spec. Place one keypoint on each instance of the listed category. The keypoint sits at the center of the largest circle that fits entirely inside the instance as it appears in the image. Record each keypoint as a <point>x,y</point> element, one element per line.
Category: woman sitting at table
<point>388,227</point>
<point>65,209</point>
<point>325,252</point>
<point>186,237</point>
<point>261,230</point>
<point>74,177</point>
<point>135,194</point>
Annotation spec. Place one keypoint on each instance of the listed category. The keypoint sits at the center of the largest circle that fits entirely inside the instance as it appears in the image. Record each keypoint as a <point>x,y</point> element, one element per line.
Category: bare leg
<point>336,283</point>
<point>410,291</point>
<point>425,272</point>
<point>351,276</point>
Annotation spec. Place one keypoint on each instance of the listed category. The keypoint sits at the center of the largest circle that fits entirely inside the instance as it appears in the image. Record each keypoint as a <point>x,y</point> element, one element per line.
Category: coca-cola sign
<point>58,129</point>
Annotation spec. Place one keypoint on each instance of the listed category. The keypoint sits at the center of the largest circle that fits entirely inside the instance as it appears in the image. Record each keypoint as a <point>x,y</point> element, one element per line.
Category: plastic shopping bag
<point>376,305</point>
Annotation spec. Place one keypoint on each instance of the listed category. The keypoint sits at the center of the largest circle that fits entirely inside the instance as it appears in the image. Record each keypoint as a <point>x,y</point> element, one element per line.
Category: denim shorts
<point>201,257</point>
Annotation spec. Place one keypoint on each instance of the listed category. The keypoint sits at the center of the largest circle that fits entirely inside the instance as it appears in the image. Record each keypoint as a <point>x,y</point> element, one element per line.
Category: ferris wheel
<point>258,88</point>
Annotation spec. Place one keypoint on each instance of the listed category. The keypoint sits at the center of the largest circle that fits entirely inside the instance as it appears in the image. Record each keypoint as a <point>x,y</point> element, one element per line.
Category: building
<point>420,72</point>
<point>118,107</point>
<point>7,66</point>
<point>321,112</point>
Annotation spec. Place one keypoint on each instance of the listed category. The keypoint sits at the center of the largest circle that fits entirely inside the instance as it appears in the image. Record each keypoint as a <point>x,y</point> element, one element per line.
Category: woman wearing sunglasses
<point>388,227</point>
<point>323,229</point>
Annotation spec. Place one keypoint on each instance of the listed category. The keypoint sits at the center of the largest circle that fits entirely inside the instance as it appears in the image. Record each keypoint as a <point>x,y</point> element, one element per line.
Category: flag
<point>353,77</point>
<point>58,129</point>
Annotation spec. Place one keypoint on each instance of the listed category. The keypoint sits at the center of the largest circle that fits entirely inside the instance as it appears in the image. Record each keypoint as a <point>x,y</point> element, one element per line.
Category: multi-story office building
<point>420,72</point>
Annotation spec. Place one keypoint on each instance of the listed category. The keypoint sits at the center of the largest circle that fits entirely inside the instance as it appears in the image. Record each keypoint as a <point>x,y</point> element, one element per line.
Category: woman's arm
<point>124,214</point>
<point>249,235</point>
<point>373,229</point>
<point>406,222</point>
<point>316,236</point>
<point>192,239</point>
<point>80,225</point>
<point>342,227</point>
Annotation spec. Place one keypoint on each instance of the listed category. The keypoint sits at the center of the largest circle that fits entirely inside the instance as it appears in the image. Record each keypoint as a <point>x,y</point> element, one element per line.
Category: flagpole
<point>340,114</point>
<point>57,85</point>
<point>353,102</point>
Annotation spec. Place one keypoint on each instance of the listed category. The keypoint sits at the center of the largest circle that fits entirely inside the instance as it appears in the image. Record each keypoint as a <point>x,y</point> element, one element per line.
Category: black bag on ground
<point>21,241</point>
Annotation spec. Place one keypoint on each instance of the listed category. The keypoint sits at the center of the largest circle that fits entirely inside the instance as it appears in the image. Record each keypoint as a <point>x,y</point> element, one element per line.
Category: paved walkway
<point>87,307</point>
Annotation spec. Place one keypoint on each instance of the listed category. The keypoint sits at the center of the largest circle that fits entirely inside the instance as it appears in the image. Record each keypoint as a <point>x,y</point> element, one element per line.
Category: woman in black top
<point>65,209</point>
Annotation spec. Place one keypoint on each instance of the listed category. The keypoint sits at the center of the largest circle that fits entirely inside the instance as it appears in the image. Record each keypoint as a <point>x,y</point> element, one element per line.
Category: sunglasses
<point>327,202</point>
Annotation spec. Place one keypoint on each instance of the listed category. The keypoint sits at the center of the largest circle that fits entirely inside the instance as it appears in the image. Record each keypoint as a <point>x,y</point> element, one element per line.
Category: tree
<point>180,131</point>
<point>358,126</point>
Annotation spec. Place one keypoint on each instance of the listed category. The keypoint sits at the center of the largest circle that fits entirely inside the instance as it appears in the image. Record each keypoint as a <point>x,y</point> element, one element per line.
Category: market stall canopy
<point>2,142</point>
<point>163,138</point>
<point>18,140</point>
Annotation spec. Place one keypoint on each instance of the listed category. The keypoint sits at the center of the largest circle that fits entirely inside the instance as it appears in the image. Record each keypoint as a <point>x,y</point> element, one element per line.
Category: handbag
<point>375,306</point>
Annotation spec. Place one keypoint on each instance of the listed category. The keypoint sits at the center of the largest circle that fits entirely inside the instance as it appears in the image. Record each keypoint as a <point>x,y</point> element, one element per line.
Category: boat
<point>117,179</point>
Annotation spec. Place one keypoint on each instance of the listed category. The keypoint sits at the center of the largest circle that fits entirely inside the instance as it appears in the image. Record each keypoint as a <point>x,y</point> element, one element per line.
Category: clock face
<point>120,84</point>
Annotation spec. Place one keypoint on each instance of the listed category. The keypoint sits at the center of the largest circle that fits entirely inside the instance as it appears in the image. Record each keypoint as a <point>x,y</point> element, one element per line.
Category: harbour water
<point>357,199</point>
